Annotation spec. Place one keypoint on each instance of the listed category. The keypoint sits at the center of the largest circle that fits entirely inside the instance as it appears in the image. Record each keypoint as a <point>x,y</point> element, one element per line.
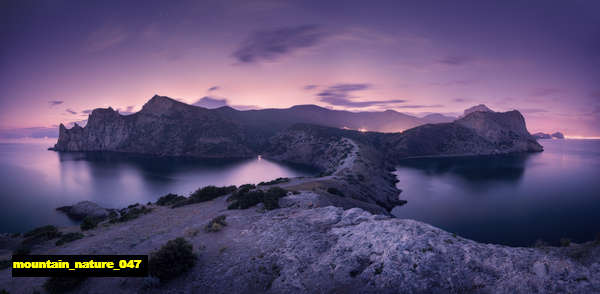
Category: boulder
<point>84,209</point>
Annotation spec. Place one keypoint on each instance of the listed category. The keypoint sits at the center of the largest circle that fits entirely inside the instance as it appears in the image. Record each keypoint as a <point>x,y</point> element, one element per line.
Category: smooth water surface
<point>34,181</point>
<point>514,199</point>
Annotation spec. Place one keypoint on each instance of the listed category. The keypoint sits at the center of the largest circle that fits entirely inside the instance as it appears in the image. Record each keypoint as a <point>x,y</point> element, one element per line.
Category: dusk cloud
<point>455,60</point>
<point>216,102</point>
<point>87,111</point>
<point>210,102</point>
<point>268,45</point>
<point>55,102</point>
<point>309,87</point>
<point>542,92</point>
<point>71,111</point>
<point>340,95</point>
<point>127,111</point>
<point>213,88</point>
<point>419,106</point>
<point>106,37</point>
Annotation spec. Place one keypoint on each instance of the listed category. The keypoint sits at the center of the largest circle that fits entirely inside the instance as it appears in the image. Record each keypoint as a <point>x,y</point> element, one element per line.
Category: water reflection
<point>34,181</point>
<point>511,200</point>
<point>476,169</point>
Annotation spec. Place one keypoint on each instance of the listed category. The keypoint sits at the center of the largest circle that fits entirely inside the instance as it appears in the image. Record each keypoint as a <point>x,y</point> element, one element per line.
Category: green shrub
<point>131,213</point>
<point>69,237</point>
<point>170,199</point>
<point>243,199</point>
<point>271,197</point>
<point>48,230</point>
<point>62,284</point>
<point>335,191</point>
<point>89,223</point>
<point>565,242</point>
<point>216,224</point>
<point>39,235</point>
<point>209,193</point>
<point>204,194</point>
<point>274,182</point>
<point>240,192</point>
<point>172,259</point>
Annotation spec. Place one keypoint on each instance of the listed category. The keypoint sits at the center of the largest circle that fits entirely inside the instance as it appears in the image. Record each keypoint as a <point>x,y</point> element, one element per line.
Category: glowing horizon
<point>68,58</point>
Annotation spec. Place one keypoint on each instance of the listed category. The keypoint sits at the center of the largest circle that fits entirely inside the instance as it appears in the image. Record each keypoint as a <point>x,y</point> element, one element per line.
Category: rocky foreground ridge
<point>304,247</point>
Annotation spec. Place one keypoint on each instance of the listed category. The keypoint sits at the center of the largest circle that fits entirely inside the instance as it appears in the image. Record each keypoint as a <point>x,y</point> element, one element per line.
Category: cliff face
<point>170,128</point>
<point>163,127</point>
<point>478,133</point>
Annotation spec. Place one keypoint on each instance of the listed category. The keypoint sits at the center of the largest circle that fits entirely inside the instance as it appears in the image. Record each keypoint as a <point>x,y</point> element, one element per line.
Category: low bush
<point>565,242</point>
<point>69,237</point>
<point>204,194</point>
<point>172,259</point>
<point>271,197</point>
<point>89,223</point>
<point>274,182</point>
<point>130,213</point>
<point>240,192</point>
<point>247,198</point>
<point>210,192</point>
<point>335,191</point>
<point>216,224</point>
<point>170,199</point>
<point>62,284</point>
<point>39,235</point>
<point>49,230</point>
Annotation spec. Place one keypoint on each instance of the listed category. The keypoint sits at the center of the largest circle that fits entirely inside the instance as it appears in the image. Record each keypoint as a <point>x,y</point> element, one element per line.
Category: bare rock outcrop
<point>84,209</point>
<point>164,127</point>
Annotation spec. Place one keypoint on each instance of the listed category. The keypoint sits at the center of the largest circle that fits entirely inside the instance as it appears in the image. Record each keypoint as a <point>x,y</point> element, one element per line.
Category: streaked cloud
<point>55,102</point>
<point>340,95</point>
<point>543,92</point>
<point>455,60</point>
<point>210,102</point>
<point>269,45</point>
<point>419,106</point>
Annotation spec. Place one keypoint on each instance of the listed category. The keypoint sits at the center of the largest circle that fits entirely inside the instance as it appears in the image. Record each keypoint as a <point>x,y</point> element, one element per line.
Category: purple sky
<point>60,59</point>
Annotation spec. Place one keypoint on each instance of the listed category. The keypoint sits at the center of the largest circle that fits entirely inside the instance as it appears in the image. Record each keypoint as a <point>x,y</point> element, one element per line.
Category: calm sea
<point>34,181</point>
<point>513,200</point>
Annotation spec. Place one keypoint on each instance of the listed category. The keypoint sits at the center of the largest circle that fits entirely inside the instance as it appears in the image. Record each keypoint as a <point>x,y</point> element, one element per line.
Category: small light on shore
<point>362,130</point>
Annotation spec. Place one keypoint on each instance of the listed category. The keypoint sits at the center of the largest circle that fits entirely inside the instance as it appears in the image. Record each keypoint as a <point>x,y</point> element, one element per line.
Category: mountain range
<point>167,127</point>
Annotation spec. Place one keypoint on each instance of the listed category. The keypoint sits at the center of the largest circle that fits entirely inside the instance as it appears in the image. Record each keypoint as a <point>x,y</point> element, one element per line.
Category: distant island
<point>556,135</point>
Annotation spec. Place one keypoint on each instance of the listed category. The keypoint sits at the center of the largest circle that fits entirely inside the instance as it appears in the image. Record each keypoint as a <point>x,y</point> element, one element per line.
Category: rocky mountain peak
<point>476,108</point>
<point>163,105</point>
